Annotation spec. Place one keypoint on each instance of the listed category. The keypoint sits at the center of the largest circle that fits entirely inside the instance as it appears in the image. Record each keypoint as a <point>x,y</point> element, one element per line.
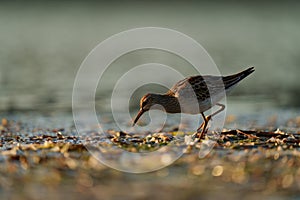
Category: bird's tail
<point>232,80</point>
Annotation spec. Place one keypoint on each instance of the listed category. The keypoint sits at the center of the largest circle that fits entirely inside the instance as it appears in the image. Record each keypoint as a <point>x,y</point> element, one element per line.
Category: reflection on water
<point>260,113</point>
<point>41,50</point>
<point>246,114</point>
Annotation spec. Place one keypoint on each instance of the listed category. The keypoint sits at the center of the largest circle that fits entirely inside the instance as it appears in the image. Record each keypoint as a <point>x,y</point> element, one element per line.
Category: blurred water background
<point>42,44</point>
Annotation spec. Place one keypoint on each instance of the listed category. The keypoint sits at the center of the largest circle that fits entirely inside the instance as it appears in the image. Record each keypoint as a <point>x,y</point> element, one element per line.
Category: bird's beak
<point>141,112</point>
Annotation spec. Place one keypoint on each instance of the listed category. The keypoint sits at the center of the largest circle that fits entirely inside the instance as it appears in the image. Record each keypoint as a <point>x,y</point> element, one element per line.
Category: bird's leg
<point>204,123</point>
<point>218,111</point>
<point>206,120</point>
<point>203,126</point>
<point>198,135</point>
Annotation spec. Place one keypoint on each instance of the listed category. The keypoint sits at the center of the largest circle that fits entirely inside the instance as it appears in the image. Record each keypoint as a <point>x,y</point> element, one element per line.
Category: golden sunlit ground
<point>37,163</point>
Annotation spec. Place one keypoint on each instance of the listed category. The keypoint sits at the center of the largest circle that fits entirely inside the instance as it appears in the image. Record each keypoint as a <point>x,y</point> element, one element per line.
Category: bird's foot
<point>199,134</point>
<point>202,129</point>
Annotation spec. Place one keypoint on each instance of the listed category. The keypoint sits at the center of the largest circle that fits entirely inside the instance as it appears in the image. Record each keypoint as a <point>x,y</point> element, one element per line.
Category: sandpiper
<point>193,95</point>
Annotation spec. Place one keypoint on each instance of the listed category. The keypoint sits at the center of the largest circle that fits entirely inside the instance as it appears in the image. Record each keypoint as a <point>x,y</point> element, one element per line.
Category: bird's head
<point>146,102</point>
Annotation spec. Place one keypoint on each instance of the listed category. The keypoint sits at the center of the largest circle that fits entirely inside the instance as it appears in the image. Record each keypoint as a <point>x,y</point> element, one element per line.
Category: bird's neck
<point>169,103</point>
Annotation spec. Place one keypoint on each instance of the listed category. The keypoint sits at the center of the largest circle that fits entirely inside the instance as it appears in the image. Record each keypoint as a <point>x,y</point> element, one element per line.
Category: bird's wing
<point>206,88</point>
<point>200,86</point>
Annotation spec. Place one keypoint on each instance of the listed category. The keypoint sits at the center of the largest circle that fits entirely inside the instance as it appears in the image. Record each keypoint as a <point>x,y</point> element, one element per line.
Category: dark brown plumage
<point>193,95</point>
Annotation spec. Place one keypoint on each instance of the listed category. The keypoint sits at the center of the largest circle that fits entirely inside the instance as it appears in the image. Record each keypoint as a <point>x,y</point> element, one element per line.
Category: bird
<point>193,95</point>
